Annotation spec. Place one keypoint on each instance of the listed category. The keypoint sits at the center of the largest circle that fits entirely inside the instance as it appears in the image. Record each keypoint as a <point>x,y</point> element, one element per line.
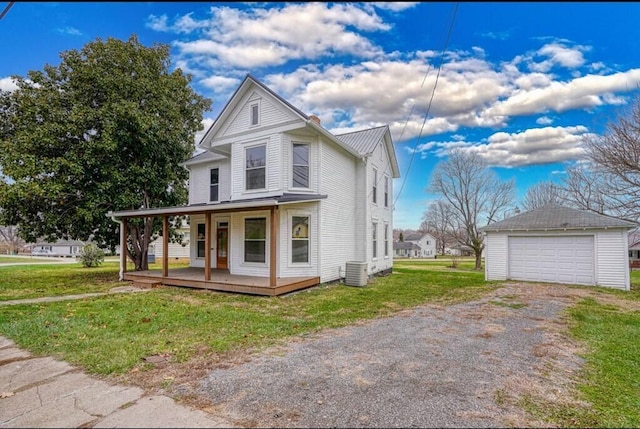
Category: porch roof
<point>221,206</point>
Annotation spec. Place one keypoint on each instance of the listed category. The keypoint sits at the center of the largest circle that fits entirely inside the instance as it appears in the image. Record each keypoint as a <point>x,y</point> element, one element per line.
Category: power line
<point>6,9</point>
<point>426,115</point>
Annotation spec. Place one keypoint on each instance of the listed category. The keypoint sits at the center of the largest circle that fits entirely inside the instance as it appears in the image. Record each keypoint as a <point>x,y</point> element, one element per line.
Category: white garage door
<point>564,259</point>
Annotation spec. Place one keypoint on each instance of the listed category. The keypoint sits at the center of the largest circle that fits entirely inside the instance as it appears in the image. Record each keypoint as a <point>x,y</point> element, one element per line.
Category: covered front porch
<point>208,277</point>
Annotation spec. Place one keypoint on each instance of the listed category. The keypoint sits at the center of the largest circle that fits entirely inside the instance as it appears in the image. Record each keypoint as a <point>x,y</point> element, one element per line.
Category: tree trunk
<point>478,253</point>
<point>139,250</point>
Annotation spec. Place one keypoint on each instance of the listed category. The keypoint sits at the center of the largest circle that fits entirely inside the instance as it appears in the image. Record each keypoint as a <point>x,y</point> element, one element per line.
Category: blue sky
<point>519,83</point>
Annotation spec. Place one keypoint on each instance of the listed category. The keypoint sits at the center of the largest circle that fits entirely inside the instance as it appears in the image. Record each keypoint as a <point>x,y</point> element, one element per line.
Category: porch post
<point>123,247</point>
<point>273,248</point>
<point>207,246</point>
<point>165,246</point>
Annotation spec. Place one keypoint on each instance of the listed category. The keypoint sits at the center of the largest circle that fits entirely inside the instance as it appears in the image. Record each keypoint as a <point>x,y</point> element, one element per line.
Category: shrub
<point>91,255</point>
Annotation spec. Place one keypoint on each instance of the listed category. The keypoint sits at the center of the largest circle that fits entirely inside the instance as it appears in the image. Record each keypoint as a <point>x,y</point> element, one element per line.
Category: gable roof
<point>249,80</point>
<point>633,240</point>
<point>202,157</point>
<point>416,236</point>
<point>405,245</point>
<point>557,217</point>
<point>366,141</point>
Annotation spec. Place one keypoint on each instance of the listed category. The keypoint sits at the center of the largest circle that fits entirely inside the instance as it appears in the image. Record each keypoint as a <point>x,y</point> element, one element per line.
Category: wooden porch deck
<point>221,280</point>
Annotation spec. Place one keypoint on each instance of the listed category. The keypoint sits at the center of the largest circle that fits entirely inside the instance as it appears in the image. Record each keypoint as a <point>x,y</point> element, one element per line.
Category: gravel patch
<point>450,366</point>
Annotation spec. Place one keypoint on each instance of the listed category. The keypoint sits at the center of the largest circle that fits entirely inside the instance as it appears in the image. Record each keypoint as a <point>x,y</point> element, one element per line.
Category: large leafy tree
<point>104,130</point>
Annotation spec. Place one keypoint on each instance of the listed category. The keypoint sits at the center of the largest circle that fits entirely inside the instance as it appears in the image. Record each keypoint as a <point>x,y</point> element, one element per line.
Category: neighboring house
<point>176,250</point>
<point>634,249</point>
<point>424,246</point>
<point>559,244</point>
<point>406,249</point>
<point>67,248</point>
<point>276,197</point>
<point>460,250</point>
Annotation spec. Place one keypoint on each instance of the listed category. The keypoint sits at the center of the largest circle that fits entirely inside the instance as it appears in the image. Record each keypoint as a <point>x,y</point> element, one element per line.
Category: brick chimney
<point>315,119</point>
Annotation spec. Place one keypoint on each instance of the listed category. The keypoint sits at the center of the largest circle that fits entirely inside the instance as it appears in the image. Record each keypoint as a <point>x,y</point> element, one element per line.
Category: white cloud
<point>394,6</point>
<point>530,147</point>
<point>71,31</point>
<point>8,84</point>
<point>259,37</point>
<point>376,88</point>
<point>206,123</point>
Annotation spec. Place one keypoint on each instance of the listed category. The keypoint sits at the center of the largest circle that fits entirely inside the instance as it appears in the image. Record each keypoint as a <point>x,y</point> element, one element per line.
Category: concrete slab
<point>159,412</point>
<point>26,373</point>
<point>6,342</point>
<point>12,353</point>
<point>82,398</point>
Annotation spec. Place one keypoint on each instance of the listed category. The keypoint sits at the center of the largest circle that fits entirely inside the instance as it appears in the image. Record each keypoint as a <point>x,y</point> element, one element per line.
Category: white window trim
<point>213,168</point>
<point>290,216</point>
<point>251,106</point>
<point>267,244</point>
<point>296,188</point>
<point>374,189</point>
<point>374,247</point>
<point>385,239</point>
<point>385,191</point>
<point>244,167</point>
<point>198,240</point>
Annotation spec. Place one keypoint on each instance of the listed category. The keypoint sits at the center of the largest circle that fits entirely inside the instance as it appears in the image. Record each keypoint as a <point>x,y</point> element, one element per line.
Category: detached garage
<point>558,244</point>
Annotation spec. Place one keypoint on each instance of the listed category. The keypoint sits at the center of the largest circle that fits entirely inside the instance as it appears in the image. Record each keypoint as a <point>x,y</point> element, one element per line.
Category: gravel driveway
<point>463,365</point>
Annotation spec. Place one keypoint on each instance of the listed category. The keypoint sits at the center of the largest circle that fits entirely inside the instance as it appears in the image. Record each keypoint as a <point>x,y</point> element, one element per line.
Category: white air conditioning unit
<point>356,274</point>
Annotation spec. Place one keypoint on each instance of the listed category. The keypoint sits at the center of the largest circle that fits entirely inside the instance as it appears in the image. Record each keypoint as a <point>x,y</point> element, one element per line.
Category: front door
<point>222,248</point>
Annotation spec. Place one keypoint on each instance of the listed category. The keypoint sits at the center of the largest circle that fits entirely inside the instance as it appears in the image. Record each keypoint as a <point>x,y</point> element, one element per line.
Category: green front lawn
<point>111,334</point>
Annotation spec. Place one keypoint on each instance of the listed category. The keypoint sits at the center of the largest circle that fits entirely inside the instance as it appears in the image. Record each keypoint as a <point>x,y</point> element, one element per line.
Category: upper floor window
<point>375,186</point>
<point>300,239</point>
<point>255,119</point>
<point>386,191</point>
<point>214,184</point>
<point>300,165</point>
<point>255,239</point>
<point>256,170</point>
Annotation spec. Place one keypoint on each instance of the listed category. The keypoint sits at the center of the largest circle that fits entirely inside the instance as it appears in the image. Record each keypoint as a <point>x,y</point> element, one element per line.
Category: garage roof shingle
<point>556,216</point>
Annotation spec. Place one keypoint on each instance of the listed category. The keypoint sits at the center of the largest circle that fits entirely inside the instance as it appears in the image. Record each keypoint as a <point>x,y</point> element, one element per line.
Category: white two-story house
<point>277,202</point>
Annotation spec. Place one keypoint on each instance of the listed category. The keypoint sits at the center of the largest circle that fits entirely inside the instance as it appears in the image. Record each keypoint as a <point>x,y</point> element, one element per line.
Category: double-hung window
<point>374,239</point>
<point>255,119</point>
<point>300,165</point>
<point>300,239</point>
<point>386,239</point>
<point>375,186</point>
<point>214,184</point>
<point>200,240</point>
<point>386,191</point>
<point>256,167</point>
<point>255,239</point>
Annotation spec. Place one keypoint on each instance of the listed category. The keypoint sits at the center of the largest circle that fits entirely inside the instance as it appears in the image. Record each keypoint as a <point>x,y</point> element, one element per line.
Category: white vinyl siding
<point>269,115</point>
<point>495,256</point>
<point>272,168</point>
<point>613,267</point>
<point>237,265</point>
<point>200,179</point>
<point>286,267</point>
<point>337,217</point>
